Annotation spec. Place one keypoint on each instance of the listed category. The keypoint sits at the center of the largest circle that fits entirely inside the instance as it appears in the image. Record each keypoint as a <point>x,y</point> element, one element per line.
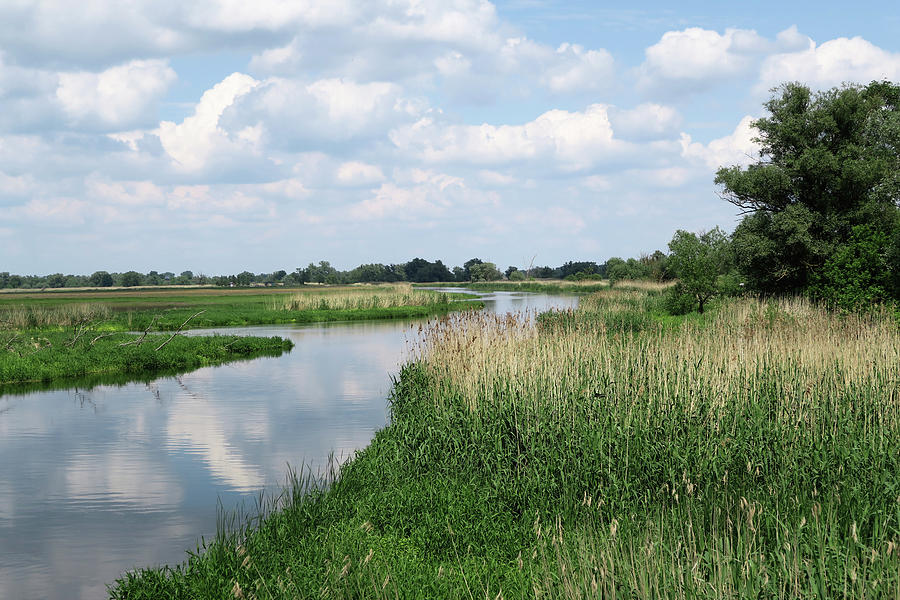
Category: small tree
<point>467,267</point>
<point>485,271</point>
<point>101,279</point>
<point>616,269</point>
<point>698,261</point>
<point>131,279</point>
<point>57,280</point>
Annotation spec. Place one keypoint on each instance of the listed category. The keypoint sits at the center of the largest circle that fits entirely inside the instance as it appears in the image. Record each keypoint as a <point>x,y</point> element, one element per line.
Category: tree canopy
<point>485,271</point>
<point>824,195</point>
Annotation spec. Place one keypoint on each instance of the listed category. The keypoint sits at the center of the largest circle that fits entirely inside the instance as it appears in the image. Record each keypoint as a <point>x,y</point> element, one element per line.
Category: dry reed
<point>361,297</point>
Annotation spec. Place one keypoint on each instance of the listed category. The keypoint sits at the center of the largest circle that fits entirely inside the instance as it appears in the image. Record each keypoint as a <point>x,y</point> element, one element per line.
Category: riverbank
<point>41,356</point>
<point>48,336</point>
<point>552,286</point>
<point>751,453</point>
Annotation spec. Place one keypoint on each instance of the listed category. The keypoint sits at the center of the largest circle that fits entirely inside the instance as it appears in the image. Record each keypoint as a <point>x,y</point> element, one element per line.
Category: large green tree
<point>420,270</point>
<point>828,179</point>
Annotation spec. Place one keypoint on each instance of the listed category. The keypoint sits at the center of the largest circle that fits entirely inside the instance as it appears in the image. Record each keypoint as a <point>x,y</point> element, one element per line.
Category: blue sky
<point>221,135</point>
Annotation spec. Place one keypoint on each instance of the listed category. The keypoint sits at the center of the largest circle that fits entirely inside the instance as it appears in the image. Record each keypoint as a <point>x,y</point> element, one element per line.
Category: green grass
<point>753,453</point>
<point>628,310</point>
<point>63,335</point>
<point>235,316</point>
<point>123,310</point>
<point>42,356</point>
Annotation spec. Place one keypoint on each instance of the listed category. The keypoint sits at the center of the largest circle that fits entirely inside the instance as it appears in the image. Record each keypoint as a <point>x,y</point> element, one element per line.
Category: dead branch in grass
<point>10,341</point>
<point>104,335</point>
<point>81,327</point>
<point>180,327</point>
<point>143,335</point>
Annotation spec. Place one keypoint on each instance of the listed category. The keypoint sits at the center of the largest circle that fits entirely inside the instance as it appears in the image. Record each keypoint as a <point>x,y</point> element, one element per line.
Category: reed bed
<point>362,297</point>
<point>18,317</point>
<point>753,453</point>
<point>810,354</point>
<point>645,285</point>
<point>757,453</point>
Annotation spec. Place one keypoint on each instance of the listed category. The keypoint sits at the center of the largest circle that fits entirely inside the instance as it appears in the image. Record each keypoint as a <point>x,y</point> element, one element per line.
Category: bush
<point>584,276</point>
<point>677,300</point>
<point>857,275</point>
<point>730,284</point>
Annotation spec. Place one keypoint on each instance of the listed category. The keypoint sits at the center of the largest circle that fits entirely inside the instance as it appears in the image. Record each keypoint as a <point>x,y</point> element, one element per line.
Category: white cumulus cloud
<point>647,121</point>
<point>420,194</point>
<point>191,143</point>
<point>120,97</point>
<point>566,140</point>
<point>459,46</point>
<point>298,115</point>
<point>737,148</point>
<point>354,173</point>
<point>695,57</point>
<point>842,60</point>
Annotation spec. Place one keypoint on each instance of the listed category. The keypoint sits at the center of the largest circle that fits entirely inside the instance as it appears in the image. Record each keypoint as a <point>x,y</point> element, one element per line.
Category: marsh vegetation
<point>748,451</point>
<point>55,335</point>
<point>363,298</point>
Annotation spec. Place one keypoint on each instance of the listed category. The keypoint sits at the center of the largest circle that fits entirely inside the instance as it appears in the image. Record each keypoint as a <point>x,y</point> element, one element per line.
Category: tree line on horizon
<point>418,270</point>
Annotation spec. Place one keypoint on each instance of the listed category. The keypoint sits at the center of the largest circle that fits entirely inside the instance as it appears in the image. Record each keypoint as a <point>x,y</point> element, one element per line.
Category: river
<point>95,481</point>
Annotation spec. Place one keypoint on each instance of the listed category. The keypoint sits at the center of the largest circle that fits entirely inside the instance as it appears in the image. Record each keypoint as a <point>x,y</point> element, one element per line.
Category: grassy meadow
<point>44,356</point>
<point>753,451</point>
<point>46,336</point>
<point>132,310</point>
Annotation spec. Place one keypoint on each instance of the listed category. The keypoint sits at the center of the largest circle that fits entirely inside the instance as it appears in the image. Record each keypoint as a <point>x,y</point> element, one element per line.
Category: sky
<point>223,135</point>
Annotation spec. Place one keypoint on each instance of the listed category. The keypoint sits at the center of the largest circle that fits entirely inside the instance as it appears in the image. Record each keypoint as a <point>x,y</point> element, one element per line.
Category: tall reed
<point>63,315</point>
<point>674,436</point>
<point>362,297</point>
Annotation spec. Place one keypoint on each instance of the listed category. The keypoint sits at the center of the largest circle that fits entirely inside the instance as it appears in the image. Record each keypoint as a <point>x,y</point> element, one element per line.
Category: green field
<point>751,452</point>
<point>43,356</point>
<point>47,336</point>
<point>127,310</point>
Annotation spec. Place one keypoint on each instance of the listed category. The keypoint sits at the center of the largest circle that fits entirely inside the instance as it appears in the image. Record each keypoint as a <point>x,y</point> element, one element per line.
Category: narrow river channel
<point>97,481</point>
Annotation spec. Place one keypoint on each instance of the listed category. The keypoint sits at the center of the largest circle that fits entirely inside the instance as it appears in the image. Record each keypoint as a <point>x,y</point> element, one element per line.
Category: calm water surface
<point>97,481</point>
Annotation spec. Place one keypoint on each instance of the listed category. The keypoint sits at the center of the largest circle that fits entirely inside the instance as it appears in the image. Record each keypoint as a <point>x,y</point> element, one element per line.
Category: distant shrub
<point>730,284</point>
<point>677,301</point>
<point>584,276</point>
